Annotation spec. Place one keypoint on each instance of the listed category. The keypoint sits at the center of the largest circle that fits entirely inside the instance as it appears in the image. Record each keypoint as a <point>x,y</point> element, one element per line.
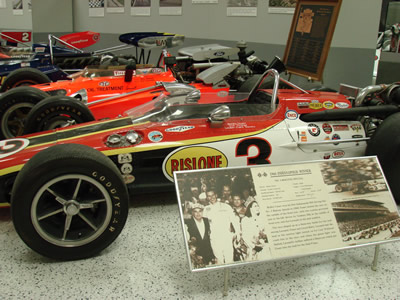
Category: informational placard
<point>310,37</point>
<point>281,6</point>
<point>170,8</point>
<point>140,7</point>
<point>115,6</point>
<point>204,1</point>
<point>242,8</point>
<point>240,215</point>
<point>18,7</point>
<point>96,8</point>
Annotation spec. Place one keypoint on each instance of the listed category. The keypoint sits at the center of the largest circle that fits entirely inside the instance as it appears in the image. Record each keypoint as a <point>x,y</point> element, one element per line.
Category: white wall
<point>357,25</point>
<point>10,21</point>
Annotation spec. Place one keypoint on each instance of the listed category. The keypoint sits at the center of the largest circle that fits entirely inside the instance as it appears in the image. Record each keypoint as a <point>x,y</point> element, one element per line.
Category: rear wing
<point>13,38</point>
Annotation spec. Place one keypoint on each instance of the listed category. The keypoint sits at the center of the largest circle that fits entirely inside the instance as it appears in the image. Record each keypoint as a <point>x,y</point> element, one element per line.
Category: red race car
<point>69,187</point>
<point>108,91</point>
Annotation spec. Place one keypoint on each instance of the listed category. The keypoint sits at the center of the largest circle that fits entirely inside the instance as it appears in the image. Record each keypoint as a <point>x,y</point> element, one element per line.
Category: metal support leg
<point>226,281</point>
<point>375,262</point>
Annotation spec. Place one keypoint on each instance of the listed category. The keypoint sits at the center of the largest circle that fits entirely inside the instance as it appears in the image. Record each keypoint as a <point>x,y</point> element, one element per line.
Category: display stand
<point>294,210</point>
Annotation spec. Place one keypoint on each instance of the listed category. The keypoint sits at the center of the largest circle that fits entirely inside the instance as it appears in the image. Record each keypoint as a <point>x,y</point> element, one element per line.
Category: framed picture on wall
<point>310,37</point>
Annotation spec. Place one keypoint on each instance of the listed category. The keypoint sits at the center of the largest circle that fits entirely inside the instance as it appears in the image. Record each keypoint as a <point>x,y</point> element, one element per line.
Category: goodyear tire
<point>69,202</point>
<point>55,112</point>
<point>24,76</point>
<point>385,143</point>
<point>15,105</point>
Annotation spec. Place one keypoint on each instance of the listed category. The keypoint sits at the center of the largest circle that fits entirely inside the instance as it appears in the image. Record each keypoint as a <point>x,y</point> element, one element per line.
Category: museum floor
<point>148,261</point>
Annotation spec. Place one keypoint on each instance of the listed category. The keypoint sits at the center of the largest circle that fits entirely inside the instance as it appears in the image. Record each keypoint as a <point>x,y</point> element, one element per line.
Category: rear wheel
<point>56,112</point>
<point>14,108</point>
<point>73,210</point>
<point>24,76</point>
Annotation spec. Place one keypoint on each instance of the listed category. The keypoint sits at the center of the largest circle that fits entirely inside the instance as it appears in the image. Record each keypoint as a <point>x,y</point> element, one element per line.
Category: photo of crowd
<point>223,222</point>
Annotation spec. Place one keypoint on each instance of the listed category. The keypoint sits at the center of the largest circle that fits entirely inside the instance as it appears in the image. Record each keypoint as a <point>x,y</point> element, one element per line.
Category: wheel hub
<point>72,208</point>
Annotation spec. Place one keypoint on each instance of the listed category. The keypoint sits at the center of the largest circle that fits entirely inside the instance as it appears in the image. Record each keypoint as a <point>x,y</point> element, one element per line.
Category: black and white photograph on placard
<point>244,8</point>
<point>223,222</point>
<point>140,7</point>
<point>18,7</point>
<point>204,1</point>
<point>170,7</point>
<point>96,8</point>
<point>363,220</point>
<point>115,6</point>
<point>281,6</point>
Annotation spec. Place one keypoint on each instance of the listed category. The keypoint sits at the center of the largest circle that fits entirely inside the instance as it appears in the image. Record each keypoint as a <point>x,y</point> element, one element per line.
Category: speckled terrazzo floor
<point>148,261</point>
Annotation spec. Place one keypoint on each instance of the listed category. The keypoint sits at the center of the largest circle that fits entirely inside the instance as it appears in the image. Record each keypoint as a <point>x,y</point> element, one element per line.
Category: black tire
<point>15,105</point>
<point>55,112</point>
<point>69,202</point>
<point>24,76</point>
<point>385,143</point>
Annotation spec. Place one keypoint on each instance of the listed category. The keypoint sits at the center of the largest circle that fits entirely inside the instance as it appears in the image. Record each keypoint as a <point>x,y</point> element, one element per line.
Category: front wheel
<point>56,112</point>
<point>71,211</point>
<point>15,105</point>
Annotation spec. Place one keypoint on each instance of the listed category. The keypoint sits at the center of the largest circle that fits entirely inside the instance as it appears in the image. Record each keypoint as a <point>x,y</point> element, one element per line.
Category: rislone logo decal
<point>193,158</point>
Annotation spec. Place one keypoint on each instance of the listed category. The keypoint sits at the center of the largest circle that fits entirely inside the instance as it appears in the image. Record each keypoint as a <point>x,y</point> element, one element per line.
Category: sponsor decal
<point>12,146</point>
<point>315,104</point>
<point>156,70</point>
<point>124,158</point>
<point>357,136</point>
<point>179,128</point>
<point>40,49</point>
<point>328,105</point>
<point>303,105</point>
<point>155,136</point>
<point>303,136</point>
<point>338,154</point>
<point>341,127</point>
<point>335,137</point>
<point>238,125</point>
<point>25,64</point>
<point>219,53</point>
<point>327,128</point>
<point>355,127</point>
<point>342,105</point>
<point>291,115</point>
<point>110,88</point>
<point>313,129</point>
<point>327,138</point>
<point>193,158</point>
<point>120,73</point>
<point>161,42</point>
<point>126,169</point>
<point>128,178</point>
<point>104,83</point>
<point>222,94</point>
<point>327,156</point>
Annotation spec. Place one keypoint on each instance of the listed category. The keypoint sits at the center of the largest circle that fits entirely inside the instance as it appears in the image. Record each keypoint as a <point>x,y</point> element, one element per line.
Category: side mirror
<point>129,71</point>
<point>218,115</point>
<point>193,96</point>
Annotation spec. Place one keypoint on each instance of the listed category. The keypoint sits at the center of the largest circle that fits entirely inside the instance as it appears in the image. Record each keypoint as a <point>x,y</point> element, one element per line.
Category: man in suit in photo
<point>198,229</point>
